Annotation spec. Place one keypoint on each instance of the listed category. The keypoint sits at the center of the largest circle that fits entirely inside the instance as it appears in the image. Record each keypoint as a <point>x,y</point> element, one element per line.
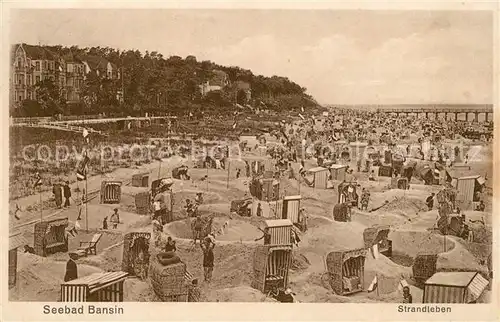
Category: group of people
<point>192,207</point>
<point>115,220</point>
<point>62,191</point>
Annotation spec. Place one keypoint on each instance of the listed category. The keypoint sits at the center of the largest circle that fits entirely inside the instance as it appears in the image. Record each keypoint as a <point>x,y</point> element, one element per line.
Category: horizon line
<point>408,105</point>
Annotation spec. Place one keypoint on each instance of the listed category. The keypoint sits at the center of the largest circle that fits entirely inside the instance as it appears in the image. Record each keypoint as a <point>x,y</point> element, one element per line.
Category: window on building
<point>52,65</point>
<point>22,80</point>
<point>19,62</point>
<point>29,80</point>
<point>37,79</point>
<point>15,96</point>
<point>30,96</point>
<point>37,66</point>
<point>45,63</point>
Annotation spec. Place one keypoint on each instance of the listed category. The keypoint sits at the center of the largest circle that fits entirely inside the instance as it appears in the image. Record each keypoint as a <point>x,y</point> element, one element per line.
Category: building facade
<point>31,65</point>
<point>217,83</point>
<point>75,77</point>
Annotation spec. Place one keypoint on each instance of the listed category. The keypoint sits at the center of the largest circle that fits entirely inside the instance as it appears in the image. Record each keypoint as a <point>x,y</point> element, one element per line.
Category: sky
<point>341,57</point>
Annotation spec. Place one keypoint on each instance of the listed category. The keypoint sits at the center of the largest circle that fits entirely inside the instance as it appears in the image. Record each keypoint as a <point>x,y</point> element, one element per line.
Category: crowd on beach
<point>313,137</point>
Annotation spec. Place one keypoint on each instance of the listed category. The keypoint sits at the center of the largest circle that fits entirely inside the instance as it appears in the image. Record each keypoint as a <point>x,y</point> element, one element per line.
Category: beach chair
<point>90,247</point>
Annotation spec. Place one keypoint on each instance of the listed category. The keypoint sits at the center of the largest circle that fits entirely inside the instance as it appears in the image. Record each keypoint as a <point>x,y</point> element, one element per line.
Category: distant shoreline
<point>410,106</point>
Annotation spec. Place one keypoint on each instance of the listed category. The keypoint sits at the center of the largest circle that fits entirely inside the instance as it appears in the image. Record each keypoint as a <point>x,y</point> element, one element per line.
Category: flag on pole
<point>374,284</point>
<point>73,231</point>
<point>38,180</point>
<point>375,251</point>
<point>403,283</point>
<point>81,172</point>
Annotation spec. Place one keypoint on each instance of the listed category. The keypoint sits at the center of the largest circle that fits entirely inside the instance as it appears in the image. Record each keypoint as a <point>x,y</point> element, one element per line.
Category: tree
<point>49,97</point>
<point>152,82</point>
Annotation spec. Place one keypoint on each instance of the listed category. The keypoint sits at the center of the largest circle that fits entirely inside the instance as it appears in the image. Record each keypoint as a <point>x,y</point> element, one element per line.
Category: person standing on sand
<point>291,173</point>
<point>430,201</point>
<point>105,223</point>
<point>259,210</point>
<point>198,227</point>
<point>157,231</point>
<point>115,218</point>
<point>407,298</point>
<point>57,194</point>
<point>189,208</point>
<point>303,218</point>
<point>208,258</point>
<point>365,199</point>
<point>247,169</point>
<point>67,194</point>
<point>71,268</point>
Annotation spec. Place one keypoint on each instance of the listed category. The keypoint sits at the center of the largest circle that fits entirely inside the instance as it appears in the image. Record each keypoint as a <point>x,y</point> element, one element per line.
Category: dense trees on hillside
<point>154,83</point>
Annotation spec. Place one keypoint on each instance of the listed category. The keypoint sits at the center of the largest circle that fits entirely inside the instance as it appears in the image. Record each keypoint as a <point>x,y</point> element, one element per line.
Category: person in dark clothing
<point>198,227</point>
<point>238,172</point>
<point>71,268</point>
<point>105,223</point>
<point>56,190</point>
<point>430,201</point>
<point>189,208</point>
<point>199,198</point>
<point>259,210</point>
<point>247,169</point>
<point>208,258</point>
<point>407,298</point>
<point>67,194</point>
<point>285,296</point>
<point>170,246</point>
<point>29,249</point>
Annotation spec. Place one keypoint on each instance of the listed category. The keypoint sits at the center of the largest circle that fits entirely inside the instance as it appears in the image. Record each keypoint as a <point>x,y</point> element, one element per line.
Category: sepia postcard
<point>245,161</point>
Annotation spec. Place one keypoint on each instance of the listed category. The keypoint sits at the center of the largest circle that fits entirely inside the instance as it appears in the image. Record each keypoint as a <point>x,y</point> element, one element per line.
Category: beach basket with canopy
<point>346,270</point>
